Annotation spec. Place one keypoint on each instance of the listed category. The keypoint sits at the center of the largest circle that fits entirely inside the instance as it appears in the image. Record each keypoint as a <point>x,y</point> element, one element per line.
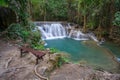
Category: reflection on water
<point>113,47</point>
<point>85,51</point>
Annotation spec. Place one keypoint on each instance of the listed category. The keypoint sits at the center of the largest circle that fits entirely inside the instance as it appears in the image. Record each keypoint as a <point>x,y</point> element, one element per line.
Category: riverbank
<point>12,67</point>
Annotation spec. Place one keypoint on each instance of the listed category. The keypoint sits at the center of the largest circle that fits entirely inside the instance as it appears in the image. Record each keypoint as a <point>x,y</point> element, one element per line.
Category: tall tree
<point>21,8</point>
<point>83,8</point>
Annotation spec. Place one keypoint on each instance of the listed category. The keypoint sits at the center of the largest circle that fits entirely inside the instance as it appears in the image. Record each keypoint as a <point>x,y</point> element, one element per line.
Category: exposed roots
<point>13,69</point>
<point>8,62</point>
<point>37,74</point>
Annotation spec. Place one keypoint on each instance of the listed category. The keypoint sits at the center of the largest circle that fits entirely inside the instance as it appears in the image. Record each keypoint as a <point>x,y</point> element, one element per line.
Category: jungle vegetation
<point>100,16</point>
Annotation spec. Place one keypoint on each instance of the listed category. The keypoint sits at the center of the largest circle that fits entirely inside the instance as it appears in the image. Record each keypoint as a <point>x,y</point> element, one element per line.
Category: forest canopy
<point>100,16</point>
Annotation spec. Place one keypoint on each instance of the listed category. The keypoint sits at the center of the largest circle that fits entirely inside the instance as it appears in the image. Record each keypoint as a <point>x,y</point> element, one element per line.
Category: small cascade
<point>78,35</point>
<point>57,30</point>
<point>52,31</point>
<point>93,37</point>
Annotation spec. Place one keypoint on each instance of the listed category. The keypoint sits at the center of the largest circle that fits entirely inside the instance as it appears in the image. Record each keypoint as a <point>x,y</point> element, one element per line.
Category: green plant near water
<point>35,37</point>
<point>17,31</point>
<point>53,50</point>
<point>60,60</point>
<point>65,59</point>
<point>38,46</point>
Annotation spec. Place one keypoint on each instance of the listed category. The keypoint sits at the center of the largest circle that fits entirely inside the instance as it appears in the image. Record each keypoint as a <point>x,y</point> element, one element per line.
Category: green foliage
<point>35,40</point>
<point>48,9</point>
<point>25,35</point>
<point>116,30</point>
<point>21,8</point>
<point>3,3</point>
<point>37,9</point>
<point>62,59</point>
<point>90,25</point>
<point>96,12</point>
<point>35,37</point>
<point>23,29</point>
<point>65,59</point>
<point>59,60</point>
<point>57,8</point>
<point>15,31</point>
<point>117,4</point>
<point>117,19</point>
<point>38,46</point>
<point>53,50</point>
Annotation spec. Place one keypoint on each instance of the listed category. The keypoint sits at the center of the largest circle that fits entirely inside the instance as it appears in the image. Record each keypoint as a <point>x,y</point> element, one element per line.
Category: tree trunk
<point>69,10</point>
<point>99,32</point>
<point>84,25</point>
<point>45,15</point>
<point>112,12</point>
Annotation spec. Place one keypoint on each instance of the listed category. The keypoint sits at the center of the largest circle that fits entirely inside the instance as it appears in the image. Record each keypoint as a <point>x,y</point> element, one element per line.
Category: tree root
<point>37,74</point>
<point>8,62</point>
<point>8,70</point>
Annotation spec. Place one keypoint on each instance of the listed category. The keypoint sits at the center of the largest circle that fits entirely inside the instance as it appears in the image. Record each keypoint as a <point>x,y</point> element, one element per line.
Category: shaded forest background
<point>99,16</point>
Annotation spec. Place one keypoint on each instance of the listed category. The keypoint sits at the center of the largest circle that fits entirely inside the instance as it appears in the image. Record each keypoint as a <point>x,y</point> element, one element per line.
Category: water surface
<point>114,48</point>
<point>86,51</point>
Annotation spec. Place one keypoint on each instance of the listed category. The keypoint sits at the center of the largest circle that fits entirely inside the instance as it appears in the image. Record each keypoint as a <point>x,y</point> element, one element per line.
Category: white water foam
<point>52,31</point>
<point>57,30</point>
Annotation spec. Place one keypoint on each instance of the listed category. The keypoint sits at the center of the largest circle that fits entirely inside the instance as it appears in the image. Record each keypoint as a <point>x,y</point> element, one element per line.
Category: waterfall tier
<point>52,31</point>
<point>78,35</point>
<point>58,30</point>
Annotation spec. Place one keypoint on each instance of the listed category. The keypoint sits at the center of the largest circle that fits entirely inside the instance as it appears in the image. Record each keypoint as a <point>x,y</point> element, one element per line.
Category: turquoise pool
<point>85,51</point>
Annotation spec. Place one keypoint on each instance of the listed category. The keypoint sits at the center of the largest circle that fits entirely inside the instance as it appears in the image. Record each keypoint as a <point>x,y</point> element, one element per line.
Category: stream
<point>81,47</point>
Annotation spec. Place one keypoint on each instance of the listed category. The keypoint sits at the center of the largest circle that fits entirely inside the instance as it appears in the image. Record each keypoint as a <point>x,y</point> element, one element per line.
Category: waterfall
<point>93,37</point>
<point>52,31</point>
<point>58,30</point>
<point>77,35</point>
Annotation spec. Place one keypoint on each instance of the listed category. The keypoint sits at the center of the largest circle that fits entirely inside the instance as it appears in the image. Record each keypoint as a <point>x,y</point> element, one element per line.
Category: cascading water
<point>52,31</point>
<point>57,30</point>
<point>78,35</point>
<point>92,36</point>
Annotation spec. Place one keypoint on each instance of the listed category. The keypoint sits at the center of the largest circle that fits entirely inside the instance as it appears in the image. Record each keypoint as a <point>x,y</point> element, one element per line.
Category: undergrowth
<point>17,32</point>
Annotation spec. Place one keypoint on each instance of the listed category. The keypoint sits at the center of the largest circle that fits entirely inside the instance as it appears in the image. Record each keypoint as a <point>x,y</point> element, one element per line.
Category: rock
<point>43,70</point>
<point>76,72</point>
<point>52,61</point>
<point>30,58</point>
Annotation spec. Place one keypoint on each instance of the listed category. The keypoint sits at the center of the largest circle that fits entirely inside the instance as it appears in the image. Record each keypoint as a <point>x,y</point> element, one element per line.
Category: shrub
<point>53,50</point>
<point>38,46</point>
<point>14,31</point>
<point>117,19</point>
<point>35,37</point>
<point>17,31</point>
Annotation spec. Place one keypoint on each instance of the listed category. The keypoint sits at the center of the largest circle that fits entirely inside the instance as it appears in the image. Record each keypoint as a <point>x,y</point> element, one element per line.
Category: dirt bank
<point>12,67</point>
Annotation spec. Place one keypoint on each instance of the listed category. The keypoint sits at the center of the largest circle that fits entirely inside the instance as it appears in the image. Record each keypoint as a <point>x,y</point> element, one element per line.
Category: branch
<point>8,62</point>
<point>11,70</point>
<point>37,74</point>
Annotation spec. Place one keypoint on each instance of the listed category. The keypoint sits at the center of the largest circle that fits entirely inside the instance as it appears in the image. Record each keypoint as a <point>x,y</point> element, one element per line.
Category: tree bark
<point>84,25</point>
<point>112,12</point>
